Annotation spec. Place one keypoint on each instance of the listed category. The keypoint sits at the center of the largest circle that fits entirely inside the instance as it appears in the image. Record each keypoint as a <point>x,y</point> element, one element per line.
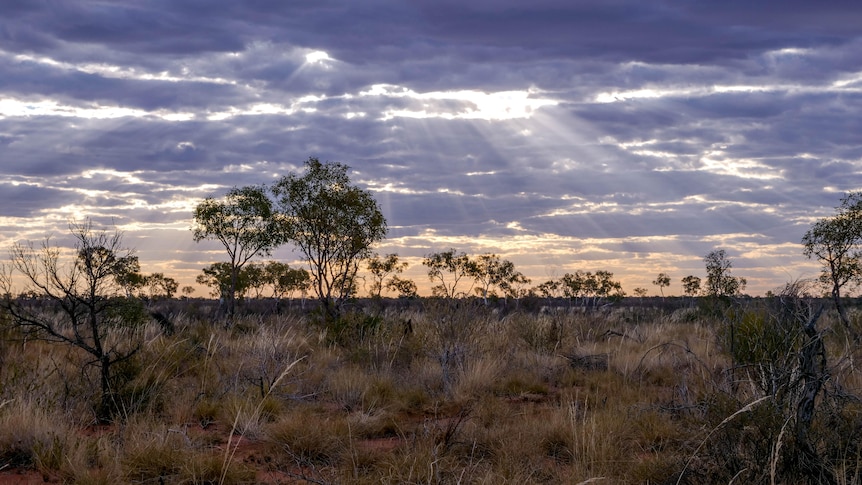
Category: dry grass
<point>627,395</point>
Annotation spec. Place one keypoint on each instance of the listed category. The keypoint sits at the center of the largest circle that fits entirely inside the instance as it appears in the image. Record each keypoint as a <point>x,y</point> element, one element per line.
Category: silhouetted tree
<point>285,280</point>
<point>220,278</point>
<point>719,281</point>
<point>662,281</point>
<point>489,271</point>
<point>691,285</point>
<point>404,287</point>
<point>448,268</point>
<point>837,243</point>
<point>381,269</point>
<point>84,306</point>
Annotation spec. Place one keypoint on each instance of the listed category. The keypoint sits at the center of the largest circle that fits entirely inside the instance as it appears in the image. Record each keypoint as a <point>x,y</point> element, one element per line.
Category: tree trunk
<point>842,313</point>
<point>812,367</point>
<point>105,411</point>
<point>231,299</point>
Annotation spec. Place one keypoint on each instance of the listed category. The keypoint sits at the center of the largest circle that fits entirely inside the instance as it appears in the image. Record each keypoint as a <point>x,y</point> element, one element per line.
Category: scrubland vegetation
<point>106,378</point>
<point>448,391</point>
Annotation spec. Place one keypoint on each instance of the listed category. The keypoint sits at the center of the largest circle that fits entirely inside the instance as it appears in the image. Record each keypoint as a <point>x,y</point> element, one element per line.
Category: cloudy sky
<point>620,135</point>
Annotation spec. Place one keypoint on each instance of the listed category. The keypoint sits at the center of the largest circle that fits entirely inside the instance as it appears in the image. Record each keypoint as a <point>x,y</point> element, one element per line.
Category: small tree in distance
<point>691,286</point>
<point>489,271</point>
<point>381,269</point>
<point>448,268</point>
<point>160,286</point>
<point>404,287</point>
<point>285,280</point>
<point>719,281</point>
<point>662,281</point>
<point>219,277</point>
<point>243,222</point>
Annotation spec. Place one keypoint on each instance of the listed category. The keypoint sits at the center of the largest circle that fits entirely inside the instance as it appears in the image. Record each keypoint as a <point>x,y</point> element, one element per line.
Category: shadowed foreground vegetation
<point>437,391</point>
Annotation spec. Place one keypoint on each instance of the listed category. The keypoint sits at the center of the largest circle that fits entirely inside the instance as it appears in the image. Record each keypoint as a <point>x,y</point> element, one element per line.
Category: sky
<point>619,135</point>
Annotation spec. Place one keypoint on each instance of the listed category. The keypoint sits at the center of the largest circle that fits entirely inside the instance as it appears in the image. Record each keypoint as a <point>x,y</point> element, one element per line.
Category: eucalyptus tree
<point>489,271</point>
<point>590,288</point>
<point>691,285</point>
<point>573,286</point>
<point>161,286</point>
<point>382,271</point>
<point>129,276</point>
<point>719,280</point>
<point>606,286</point>
<point>82,303</point>
<point>257,278</point>
<point>221,281</point>
<point>332,222</point>
<point>549,289</point>
<point>448,268</point>
<point>404,287</point>
<point>662,281</point>
<point>837,243</point>
<point>244,223</point>
<point>514,284</point>
<point>137,284</point>
<point>284,280</point>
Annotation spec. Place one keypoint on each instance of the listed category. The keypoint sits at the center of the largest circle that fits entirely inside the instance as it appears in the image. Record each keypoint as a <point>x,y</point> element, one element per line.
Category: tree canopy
<point>243,222</point>
<point>719,280</point>
<point>837,243</point>
<point>332,222</point>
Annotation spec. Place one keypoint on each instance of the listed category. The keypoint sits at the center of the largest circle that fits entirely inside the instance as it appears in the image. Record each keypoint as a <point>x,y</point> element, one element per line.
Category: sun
<point>317,57</point>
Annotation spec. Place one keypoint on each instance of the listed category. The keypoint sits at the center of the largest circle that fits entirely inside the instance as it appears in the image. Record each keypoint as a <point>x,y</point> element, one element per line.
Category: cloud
<point>632,135</point>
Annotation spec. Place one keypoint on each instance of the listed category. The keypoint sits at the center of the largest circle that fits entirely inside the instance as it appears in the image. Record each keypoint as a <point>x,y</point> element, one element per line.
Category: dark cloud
<point>660,128</point>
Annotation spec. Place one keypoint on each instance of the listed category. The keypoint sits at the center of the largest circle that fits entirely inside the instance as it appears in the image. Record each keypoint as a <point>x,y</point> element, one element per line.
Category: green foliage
<point>590,289</point>
<point>161,286</point>
<point>762,338</point>
<point>243,222</point>
<point>123,312</point>
<point>837,243</point>
<point>219,277</point>
<point>351,328</point>
<point>129,276</point>
<point>134,283</point>
<point>332,222</point>
<point>285,280</point>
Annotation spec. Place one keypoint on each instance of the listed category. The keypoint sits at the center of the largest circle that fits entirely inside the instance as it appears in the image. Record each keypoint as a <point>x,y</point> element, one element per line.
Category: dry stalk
<point>745,409</point>
<point>230,452</point>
